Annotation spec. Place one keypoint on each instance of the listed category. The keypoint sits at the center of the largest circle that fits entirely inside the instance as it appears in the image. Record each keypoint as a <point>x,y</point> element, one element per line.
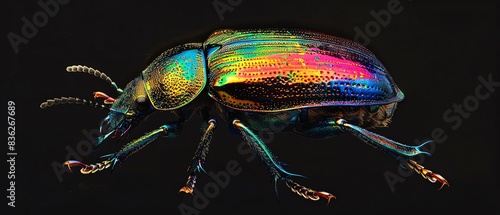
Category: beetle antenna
<point>71,100</point>
<point>94,72</point>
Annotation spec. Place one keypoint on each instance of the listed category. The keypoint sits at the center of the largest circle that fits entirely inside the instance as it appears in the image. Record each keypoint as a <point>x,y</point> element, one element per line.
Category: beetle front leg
<point>168,130</point>
<point>199,157</point>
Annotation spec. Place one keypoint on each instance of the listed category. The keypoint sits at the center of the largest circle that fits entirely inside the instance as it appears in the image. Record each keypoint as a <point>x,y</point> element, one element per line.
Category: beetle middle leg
<point>199,157</point>
<point>274,167</point>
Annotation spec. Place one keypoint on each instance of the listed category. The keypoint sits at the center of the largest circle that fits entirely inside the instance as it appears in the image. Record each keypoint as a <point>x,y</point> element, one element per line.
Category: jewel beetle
<point>314,84</point>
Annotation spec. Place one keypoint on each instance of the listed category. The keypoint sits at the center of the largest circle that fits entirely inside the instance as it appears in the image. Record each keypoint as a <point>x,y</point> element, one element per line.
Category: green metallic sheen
<point>176,77</point>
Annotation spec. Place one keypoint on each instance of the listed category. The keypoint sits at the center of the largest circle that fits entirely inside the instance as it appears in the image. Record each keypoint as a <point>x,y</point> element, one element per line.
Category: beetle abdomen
<point>275,70</point>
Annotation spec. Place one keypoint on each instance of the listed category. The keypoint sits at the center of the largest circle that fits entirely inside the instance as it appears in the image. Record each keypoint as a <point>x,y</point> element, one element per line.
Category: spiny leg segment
<point>126,151</point>
<point>199,157</point>
<point>399,151</point>
<point>274,167</point>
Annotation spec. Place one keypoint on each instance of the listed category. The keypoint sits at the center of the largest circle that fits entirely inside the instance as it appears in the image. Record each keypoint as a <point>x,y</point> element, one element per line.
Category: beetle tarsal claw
<point>187,190</point>
<point>189,187</point>
<point>88,168</point>
<point>427,174</point>
<point>308,193</point>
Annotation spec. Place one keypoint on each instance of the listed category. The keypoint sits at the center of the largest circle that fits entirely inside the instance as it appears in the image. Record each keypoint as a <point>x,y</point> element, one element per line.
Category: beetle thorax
<point>176,77</point>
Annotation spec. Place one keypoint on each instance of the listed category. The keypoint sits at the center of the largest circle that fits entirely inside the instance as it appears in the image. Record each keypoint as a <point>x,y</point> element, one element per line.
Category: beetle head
<point>127,110</point>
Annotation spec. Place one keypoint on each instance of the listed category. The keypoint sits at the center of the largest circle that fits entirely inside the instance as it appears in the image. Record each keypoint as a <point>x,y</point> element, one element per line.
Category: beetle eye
<point>140,100</point>
<point>141,104</point>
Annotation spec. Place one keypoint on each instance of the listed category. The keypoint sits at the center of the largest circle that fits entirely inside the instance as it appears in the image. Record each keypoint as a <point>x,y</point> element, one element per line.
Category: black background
<point>434,51</point>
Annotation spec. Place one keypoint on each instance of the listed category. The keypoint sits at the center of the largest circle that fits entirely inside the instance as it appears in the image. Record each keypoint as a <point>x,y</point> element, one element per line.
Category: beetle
<point>317,85</point>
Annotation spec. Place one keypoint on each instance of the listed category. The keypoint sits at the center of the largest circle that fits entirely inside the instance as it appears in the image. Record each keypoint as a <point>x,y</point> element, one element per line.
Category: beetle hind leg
<point>274,167</point>
<point>427,174</point>
<point>400,151</point>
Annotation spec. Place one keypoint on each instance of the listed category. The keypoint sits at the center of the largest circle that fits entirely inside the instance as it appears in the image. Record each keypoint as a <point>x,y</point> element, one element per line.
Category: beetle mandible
<point>317,85</point>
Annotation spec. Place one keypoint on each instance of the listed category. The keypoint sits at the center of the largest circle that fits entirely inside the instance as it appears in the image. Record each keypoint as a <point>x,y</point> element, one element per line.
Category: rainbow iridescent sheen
<point>274,70</point>
<point>176,77</point>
